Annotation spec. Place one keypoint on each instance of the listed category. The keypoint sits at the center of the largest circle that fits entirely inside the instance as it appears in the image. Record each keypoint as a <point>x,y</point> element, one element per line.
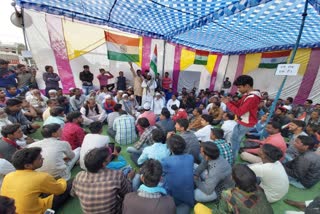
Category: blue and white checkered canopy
<point>224,26</point>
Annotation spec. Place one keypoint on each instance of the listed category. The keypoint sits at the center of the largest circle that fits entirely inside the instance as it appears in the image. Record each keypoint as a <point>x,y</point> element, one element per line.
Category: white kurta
<point>149,87</point>
<point>92,115</point>
<point>157,105</point>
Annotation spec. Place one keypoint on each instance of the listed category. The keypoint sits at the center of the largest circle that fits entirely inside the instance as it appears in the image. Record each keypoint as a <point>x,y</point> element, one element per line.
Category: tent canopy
<point>223,26</point>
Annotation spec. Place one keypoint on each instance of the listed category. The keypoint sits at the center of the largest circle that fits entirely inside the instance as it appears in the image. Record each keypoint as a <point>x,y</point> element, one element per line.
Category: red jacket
<point>181,114</point>
<point>246,108</point>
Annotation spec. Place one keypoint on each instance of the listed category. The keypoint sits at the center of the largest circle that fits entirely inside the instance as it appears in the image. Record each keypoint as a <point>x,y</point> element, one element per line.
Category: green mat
<point>72,206</point>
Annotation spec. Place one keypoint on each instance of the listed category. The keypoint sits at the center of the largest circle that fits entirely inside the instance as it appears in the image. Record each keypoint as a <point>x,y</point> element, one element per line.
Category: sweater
<point>246,108</point>
<point>133,204</point>
<point>219,171</point>
<point>192,145</point>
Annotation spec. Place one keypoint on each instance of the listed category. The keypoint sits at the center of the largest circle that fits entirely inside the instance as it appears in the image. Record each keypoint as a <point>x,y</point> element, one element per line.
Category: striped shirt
<point>125,129</point>
<point>166,82</point>
<point>101,192</point>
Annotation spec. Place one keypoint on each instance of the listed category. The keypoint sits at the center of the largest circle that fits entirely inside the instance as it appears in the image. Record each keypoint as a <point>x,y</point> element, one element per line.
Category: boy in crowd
<point>178,175</point>
<point>192,143</point>
<point>304,170</point>
<point>246,110</point>
<point>15,115</point>
<point>274,179</point>
<point>72,131</point>
<point>150,198</point>
<point>8,143</point>
<point>23,184</point>
<point>296,127</point>
<point>144,141</point>
<point>99,189</point>
<point>59,159</point>
<point>158,150</point>
<point>213,174</point>
<point>93,140</point>
<point>224,148</point>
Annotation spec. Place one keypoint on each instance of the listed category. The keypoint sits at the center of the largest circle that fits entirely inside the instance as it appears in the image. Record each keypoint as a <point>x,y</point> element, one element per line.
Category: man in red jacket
<point>246,110</point>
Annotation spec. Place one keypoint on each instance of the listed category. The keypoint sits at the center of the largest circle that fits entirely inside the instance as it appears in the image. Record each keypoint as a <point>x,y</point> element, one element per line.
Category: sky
<point>8,33</point>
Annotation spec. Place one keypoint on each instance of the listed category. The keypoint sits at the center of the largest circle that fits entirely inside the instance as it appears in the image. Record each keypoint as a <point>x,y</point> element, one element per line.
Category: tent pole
<point>25,35</point>
<point>163,57</point>
<point>294,51</point>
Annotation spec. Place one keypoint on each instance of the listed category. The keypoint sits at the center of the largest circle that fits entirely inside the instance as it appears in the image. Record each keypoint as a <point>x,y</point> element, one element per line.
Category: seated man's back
<point>92,141</point>
<point>165,123</point>
<point>57,154</point>
<point>178,173</point>
<point>178,170</point>
<point>54,153</point>
<point>100,190</point>
<point>150,198</point>
<point>125,129</point>
<point>72,131</point>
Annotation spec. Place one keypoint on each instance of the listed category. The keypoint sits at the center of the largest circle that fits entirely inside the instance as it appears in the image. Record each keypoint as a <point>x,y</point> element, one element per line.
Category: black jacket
<point>305,168</point>
<point>86,78</point>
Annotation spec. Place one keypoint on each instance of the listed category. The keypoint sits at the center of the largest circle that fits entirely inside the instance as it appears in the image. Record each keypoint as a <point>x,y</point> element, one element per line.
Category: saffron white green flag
<point>273,59</point>
<point>153,62</point>
<point>201,57</point>
<point>122,48</point>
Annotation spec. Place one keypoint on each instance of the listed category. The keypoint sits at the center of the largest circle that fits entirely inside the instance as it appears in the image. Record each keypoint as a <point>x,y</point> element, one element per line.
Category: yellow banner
<point>302,57</point>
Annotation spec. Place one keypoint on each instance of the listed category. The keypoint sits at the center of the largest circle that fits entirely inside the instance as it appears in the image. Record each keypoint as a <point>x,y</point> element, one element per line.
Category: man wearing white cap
<point>109,103</point>
<point>71,92</point>
<point>158,104</point>
<point>38,101</point>
<point>52,94</point>
<point>118,97</point>
<point>134,102</point>
<point>126,104</point>
<point>149,85</point>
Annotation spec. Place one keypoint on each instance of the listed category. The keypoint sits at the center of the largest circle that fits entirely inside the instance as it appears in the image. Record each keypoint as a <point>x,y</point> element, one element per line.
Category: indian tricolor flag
<point>122,48</point>
<point>201,57</point>
<point>153,62</point>
<point>273,59</point>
